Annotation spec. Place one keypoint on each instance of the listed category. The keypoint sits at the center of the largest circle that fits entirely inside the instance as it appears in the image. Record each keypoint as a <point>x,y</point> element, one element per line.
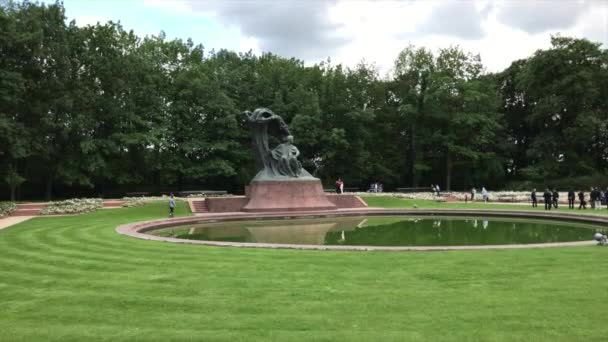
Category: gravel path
<point>12,220</point>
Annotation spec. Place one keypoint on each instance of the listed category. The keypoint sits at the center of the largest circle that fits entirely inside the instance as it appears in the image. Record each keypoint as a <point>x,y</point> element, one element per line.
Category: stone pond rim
<point>139,229</point>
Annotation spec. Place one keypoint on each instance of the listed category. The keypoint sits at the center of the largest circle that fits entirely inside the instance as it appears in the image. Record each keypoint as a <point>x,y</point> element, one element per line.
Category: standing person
<point>473,192</point>
<point>438,190</point>
<point>547,198</point>
<point>341,186</point>
<point>571,199</point>
<point>592,197</point>
<point>598,199</point>
<point>433,190</point>
<point>533,197</point>
<point>171,206</point>
<point>484,194</point>
<point>555,198</point>
<point>338,185</point>
<point>581,198</point>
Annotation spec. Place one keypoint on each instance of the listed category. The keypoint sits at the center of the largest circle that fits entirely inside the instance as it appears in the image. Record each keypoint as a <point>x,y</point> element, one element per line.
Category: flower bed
<point>493,196</point>
<point>6,208</point>
<point>72,206</point>
<point>139,201</point>
<point>426,196</point>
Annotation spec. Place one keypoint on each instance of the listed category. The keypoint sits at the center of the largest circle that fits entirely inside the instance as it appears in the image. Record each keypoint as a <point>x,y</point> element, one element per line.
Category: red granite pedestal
<point>300,195</point>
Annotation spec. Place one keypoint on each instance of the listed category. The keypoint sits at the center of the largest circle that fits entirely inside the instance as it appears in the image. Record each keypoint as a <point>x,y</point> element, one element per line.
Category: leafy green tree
<point>567,83</point>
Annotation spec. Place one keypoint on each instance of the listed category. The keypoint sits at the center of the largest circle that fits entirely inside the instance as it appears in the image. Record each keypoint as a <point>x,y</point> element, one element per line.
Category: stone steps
<point>28,209</point>
<point>31,206</point>
<point>113,204</point>
<point>25,212</point>
<point>200,207</point>
<point>346,201</point>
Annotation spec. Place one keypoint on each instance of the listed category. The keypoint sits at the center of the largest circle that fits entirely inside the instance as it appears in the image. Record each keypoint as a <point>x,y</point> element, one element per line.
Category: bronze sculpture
<point>280,163</point>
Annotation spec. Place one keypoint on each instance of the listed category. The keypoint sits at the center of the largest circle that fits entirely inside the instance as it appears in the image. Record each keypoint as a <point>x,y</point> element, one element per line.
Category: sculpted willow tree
<point>281,162</point>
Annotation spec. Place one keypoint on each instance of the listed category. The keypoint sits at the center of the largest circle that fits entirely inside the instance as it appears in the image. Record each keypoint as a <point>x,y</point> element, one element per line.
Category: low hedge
<point>73,206</point>
<point>6,208</point>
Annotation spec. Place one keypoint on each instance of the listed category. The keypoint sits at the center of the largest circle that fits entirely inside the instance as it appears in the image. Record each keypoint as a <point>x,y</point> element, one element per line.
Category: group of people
<point>551,199</point>
<point>375,187</point>
<point>436,190</point>
<point>484,194</point>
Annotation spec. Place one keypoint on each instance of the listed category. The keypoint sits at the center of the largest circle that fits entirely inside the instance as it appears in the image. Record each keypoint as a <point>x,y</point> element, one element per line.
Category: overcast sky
<point>351,30</point>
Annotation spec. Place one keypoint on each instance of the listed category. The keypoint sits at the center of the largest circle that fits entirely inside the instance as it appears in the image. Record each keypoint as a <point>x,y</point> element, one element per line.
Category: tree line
<point>97,110</point>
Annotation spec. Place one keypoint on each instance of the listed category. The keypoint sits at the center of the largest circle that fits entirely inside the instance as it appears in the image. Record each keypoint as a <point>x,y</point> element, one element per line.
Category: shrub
<point>73,206</point>
<point>6,208</point>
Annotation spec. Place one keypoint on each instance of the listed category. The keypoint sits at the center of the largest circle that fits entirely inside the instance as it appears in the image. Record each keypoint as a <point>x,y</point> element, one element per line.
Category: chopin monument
<point>281,184</point>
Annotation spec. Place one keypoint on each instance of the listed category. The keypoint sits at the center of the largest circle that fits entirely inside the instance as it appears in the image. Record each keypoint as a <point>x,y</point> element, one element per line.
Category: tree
<point>414,70</point>
<point>464,113</point>
<point>568,112</point>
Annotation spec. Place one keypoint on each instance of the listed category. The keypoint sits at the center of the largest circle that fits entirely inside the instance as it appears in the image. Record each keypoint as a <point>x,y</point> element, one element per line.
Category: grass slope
<point>75,279</point>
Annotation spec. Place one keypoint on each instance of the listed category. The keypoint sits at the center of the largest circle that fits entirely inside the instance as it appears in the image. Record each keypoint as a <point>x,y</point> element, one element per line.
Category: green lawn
<point>75,279</point>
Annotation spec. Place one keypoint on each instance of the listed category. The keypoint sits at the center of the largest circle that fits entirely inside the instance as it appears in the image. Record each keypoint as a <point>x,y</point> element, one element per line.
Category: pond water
<point>388,231</point>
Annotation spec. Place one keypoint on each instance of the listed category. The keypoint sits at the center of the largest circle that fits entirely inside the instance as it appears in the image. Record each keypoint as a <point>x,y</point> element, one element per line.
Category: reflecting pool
<point>388,231</point>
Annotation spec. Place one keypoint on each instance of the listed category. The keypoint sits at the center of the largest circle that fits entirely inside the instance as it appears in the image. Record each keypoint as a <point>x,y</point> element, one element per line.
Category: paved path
<point>12,220</point>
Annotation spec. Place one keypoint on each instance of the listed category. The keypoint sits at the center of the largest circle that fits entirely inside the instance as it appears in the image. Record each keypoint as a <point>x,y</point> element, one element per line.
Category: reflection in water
<point>387,231</point>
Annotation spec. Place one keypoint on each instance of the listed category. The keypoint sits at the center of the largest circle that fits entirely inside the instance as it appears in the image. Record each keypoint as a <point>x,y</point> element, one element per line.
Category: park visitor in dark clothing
<point>547,198</point>
<point>555,198</point>
<point>533,196</point>
<point>581,198</point>
<point>571,199</point>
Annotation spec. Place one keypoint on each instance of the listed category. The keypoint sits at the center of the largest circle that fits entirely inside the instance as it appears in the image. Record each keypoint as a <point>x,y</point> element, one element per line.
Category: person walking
<point>533,197</point>
<point>171,206</point>
<point>592,197</point>
<point>473,192</point>
<point>484,194</point>
<point>438,190</point>
<point>547,198</point>
<point>338,185</point>
<point>581,198</point>
<point>555,198</point>
<point>341,186</point>
<point>571,197</point>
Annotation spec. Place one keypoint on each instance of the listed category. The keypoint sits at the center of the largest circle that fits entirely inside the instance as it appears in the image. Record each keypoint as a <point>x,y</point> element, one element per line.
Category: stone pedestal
<point>296,195</point>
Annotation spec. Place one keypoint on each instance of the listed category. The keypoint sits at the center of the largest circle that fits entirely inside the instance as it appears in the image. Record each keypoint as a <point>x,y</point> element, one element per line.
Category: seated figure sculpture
<point>281,162</point>
<point>286,155</point>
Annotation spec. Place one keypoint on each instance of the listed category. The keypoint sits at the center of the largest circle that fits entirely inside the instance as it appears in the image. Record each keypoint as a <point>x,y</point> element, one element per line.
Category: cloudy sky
<point>351,30</point>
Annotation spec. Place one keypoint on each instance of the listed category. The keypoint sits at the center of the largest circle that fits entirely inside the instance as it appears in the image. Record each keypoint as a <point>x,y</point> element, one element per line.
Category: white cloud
<point>348,31</point>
